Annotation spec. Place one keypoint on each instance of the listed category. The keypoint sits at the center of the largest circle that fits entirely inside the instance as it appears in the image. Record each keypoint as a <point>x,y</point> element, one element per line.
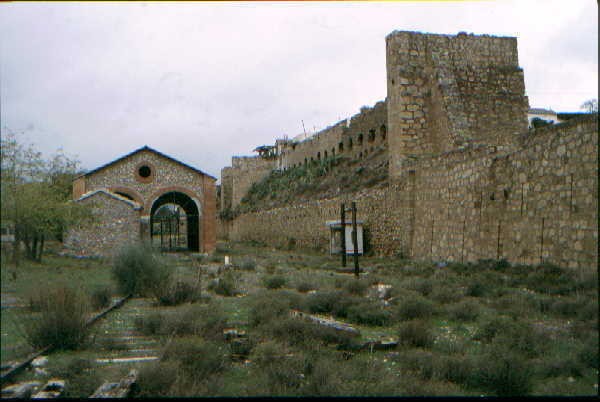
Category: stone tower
<point>445,92</point>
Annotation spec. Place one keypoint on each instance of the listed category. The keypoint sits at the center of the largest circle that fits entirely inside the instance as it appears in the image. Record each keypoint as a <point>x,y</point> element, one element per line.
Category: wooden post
<point>343,223</point>
<point>355,239</point>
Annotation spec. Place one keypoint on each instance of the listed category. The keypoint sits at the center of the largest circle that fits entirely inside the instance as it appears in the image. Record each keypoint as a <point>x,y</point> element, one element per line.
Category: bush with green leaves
<point>149,324</point>
<point>369,313</point>
<point>503,371</point>
<point>247,264</point>
<point>268,306</point>
<point>274,281</point>
<point>81,377</point>
<point>465,310</point>
<point>416,333</point>
<point>337,303</point>
<point>205,320</point>
<point>305,286</point>
<point>140,271</point>
<point>225,285</point>
<point>61,321</point>
<point>356,287</point>
<point>101,298</point>
<point>298,332</point>
<point>156,379</point>
<point>196,356</point>
<point>179,292</point>
<point>413,308</point>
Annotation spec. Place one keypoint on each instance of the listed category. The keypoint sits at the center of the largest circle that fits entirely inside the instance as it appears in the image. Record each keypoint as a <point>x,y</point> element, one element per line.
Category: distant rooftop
<point>541,111</point>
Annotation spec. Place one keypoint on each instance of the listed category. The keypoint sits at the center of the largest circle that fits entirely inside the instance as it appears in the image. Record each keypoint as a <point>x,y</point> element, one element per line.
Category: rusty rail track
<point>48,349</point>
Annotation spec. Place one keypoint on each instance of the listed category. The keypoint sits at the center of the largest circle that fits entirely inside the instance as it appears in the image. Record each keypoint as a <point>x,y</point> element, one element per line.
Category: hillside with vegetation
<point>317,180</point>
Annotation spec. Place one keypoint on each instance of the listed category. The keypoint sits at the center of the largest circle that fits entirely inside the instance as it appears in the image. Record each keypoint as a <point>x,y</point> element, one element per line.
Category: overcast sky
<point>204,81</point>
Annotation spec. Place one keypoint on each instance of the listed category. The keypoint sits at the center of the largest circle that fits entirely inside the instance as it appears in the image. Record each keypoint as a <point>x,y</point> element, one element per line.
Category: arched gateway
<point>145,195</point>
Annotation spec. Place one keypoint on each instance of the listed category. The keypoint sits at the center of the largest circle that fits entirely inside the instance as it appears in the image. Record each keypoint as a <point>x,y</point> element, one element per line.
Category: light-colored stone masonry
<point>121,177</point>
<point>244,171</point>
<point>447,91</point>
<point>117,222</point>
<point>445,211</point>
<point>362,134</point>
<point>468,180</point>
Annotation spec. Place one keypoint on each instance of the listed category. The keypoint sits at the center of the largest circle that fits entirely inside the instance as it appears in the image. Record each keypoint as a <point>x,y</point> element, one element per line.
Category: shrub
<point>274,282</point>
<point>197,357</point>
<point>368,313</point>
<point>336,303</point>
<point>101,298</point>
<point>207,321</point>
<point>300,332</point>
<point>446,294</point>
<point>589,354</point>
<point>356,287</point>
<point>418,307</point>
<point>416,333</point>
<point>306,286</point>
<point>224,286</point>
<point>156,379</point>
<point>477,288</point>
<point>489,328</point>
<point>510,334</point>
<point>520,338</point>
<point>178,293</point>
<point>62,319</point>
<point>138,270</point>
<point>466,310</point>
<point>552,279</point>
<point>81,378</point>
<point>457,369</point>
<point>247,264</point>
<point>421,285</point>
<point>502,372</point>
<point>266,307</point>
<point>149,324</point>
<point>280,371</point>
<point>418,361</point>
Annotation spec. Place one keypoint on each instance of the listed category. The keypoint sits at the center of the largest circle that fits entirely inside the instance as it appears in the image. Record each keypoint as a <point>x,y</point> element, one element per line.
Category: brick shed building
<point>128,194</point>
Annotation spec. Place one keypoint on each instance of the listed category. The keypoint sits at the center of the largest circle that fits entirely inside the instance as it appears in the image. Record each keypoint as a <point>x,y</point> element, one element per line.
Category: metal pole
<point>161,234</point>
<point>354,239</point>
<point>343,223</point>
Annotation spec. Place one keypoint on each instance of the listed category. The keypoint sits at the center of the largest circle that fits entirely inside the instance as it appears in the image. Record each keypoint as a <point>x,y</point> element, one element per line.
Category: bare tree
<point>590,106</point>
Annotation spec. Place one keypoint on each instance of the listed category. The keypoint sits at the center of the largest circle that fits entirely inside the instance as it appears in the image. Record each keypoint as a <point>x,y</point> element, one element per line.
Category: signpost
<point>354,235</point>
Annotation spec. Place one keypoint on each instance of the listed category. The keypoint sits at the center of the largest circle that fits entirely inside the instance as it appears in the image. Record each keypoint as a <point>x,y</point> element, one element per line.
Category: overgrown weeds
<point>140,271</point>
<point>61,321</point>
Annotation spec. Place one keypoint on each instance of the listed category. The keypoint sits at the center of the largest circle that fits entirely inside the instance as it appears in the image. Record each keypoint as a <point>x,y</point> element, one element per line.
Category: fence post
<point>355,239</point>
<point>343,223</point>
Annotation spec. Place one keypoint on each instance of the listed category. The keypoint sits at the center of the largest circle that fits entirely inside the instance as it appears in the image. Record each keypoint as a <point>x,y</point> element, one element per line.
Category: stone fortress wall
<point>354,138</point>
<point>237,179</point>
<point>468,179</point>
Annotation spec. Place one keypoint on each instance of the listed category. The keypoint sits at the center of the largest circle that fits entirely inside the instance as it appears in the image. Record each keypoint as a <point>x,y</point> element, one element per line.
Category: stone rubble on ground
<point>20,390</point>
<point>121,389</point>
<point>53,389</point>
